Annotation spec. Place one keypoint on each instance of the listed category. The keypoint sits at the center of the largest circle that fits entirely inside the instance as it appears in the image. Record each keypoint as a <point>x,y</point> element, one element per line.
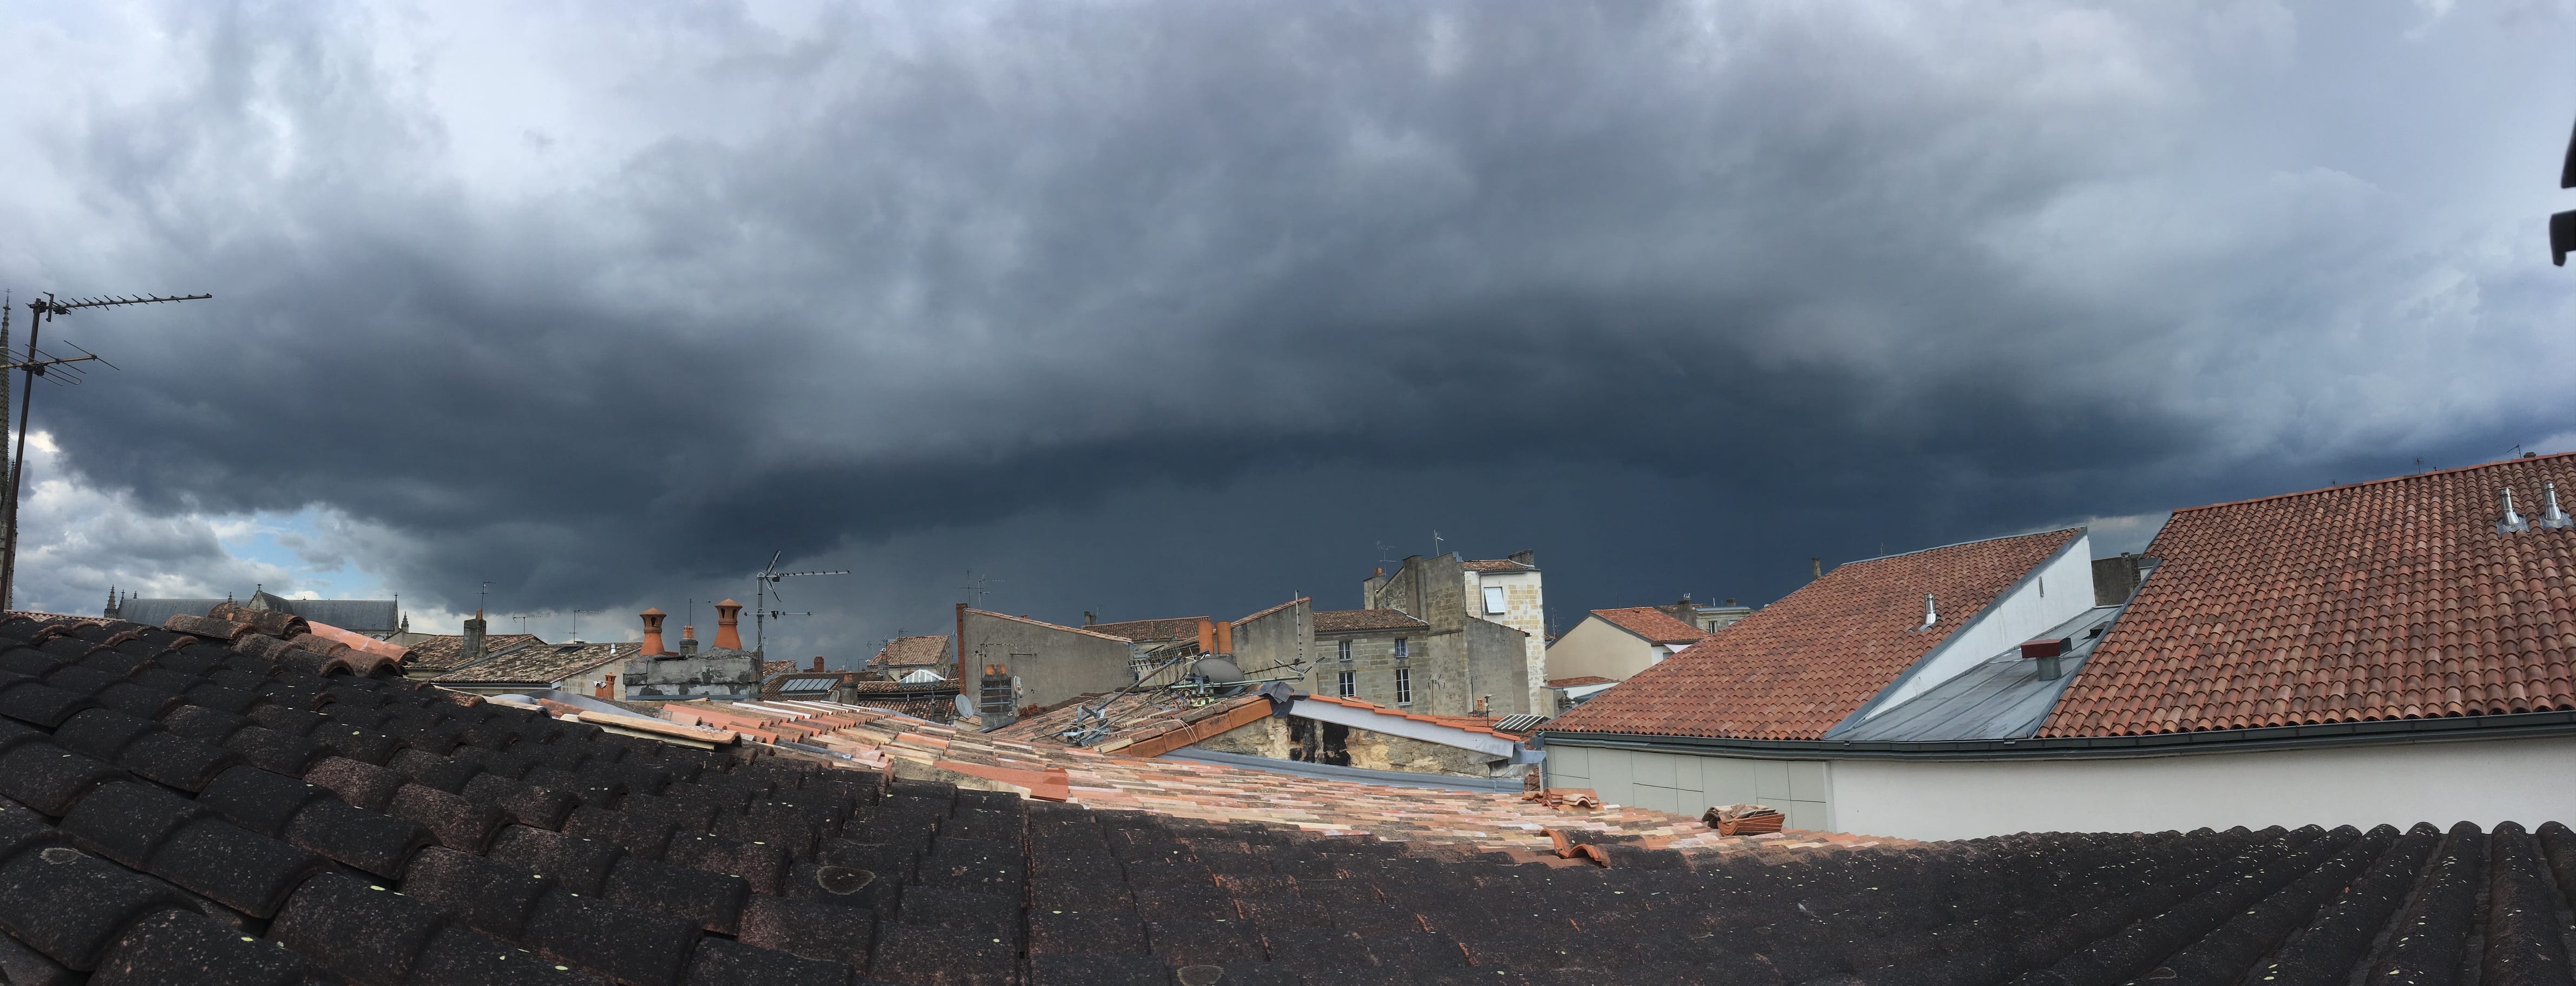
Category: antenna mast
<point>38,313</point>
<point>761,582</point>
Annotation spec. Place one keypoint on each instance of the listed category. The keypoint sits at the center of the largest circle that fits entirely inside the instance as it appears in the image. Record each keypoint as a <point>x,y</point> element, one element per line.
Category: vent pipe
<point>2512,522</point>
<point>2555,518</point>
<point>1930,614</point>
<point>2049,653</point>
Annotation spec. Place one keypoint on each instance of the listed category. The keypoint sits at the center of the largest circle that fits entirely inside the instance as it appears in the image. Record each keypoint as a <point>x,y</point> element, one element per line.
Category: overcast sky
<point>1169,308</point>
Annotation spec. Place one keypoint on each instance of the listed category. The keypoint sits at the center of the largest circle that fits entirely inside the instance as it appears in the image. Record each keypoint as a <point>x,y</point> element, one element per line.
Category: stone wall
<point>1297,738</point>
<point>1053,663</point>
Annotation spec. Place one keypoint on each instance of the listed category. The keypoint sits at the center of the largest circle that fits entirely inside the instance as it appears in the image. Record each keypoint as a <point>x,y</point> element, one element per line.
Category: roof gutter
<point>2517,725</point>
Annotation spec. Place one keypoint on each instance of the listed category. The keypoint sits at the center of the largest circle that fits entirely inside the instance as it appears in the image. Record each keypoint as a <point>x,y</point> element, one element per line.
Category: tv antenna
<point>35,365</point>
<point>977,587</point>
<point>764,580</point>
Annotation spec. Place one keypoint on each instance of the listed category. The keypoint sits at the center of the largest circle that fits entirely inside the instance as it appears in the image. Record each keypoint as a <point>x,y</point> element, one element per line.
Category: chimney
<point>2116,579</point>
<point>1225,638</point>
<point>729,625</point>
<point>474,638</point>
<point>1525,557</point>
<point>961,647</point>
<point>653,617</point>
<point>818,662</point>
<point>688,640</point>
<point>1090,619</point>
<point>2049,654</point>
<point>2512,522</point>
<point>1815,568</point>
<point>2554,518</point>
<point>1207,636</point>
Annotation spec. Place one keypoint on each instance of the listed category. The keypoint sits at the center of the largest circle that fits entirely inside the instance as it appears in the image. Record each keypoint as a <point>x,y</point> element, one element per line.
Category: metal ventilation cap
<point>2512,522</point>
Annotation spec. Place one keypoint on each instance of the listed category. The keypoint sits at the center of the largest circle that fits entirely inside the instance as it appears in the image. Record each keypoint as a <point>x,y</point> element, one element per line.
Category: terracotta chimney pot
<point>729,625</point>
<point>653,617</point>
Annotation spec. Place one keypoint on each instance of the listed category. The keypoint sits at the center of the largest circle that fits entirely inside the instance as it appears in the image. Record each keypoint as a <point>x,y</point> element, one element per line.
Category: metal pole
<point>18,461</point>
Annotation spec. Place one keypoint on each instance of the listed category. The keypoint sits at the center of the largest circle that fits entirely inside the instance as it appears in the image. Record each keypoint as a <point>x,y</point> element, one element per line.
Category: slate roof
<point>913,652</point>
<point>177,811</point>
<point>540,663</point>
<point>1358,620</point>
<point>1795,668</point>
<point>154,612</point>
<point>447,650</point>
<point>2002,698</point>
<point>2393,599</point>
<point>1141,631</point>
<point>1653,625</point>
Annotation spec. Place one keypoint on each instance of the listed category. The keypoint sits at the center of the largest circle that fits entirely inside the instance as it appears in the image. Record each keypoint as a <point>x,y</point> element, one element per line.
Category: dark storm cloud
<point>639,291</point>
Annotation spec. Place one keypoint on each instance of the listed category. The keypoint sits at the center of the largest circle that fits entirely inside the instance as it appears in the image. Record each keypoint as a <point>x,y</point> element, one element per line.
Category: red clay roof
<point>1798,666</point>
<point>2393,599</point>
<point>1579,681</point>
<point>1353,620</point>
<point>1140,631</point>
<point>1657,626</point>
<point>905,652</point>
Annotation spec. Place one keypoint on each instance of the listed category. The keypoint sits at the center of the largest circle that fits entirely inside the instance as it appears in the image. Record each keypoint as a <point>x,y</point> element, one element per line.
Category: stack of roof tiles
<point>1794,669</point>
<point>174,810</point>
<point>2394,599</point>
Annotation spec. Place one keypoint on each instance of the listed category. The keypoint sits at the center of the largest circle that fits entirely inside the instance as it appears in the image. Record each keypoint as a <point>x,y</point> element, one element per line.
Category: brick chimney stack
<point>688,640</point>
<point>818,662</point>
<point>653,617</point>
<point>473,649</point>
<point>729,625</point>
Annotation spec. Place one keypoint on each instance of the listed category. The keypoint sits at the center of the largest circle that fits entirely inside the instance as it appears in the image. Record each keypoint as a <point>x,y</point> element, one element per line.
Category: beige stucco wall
<point>1594,647</point>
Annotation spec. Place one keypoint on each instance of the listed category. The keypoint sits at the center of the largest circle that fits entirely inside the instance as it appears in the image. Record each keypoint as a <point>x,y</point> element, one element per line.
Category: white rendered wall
<point>1524,609</point>
<point>2484,781</point>
<point>2062,591</point>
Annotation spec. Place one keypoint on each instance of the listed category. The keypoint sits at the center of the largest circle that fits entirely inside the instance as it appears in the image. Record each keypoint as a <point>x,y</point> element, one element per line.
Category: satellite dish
<point>965,709</point>
<point>1219,672</point>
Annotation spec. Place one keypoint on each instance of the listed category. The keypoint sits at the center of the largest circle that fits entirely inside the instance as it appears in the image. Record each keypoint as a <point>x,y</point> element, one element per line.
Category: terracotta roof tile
<point>1355,620</point>
<point>1139,631</point>
<point>445,651</point>
<point>1655,625</point>
<point>1579,681</point>
<point>905,652</point>
<point>553,662</point>
<point>1795,668</point>
<point>2393,599</point>
<point>1496,565</point>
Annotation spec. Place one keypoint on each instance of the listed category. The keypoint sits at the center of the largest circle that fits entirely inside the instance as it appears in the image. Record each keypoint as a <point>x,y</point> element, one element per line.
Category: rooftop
<point>2387,600</point>
<point>1496,565</point>
<point>1653,625</point>
<point>1141,631</point>
<point>905,652</point>
<point>1795,668</point>
<point>173,809</point>
<point>443,651</point>
<point>539,663</point>
<point>1359,620</point>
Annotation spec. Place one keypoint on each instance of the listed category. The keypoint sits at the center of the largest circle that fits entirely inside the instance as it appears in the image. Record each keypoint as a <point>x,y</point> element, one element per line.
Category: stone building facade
<point>1459,661</point>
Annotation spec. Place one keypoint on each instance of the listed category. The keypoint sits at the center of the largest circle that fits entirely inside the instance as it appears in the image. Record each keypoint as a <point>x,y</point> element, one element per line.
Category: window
<point>1350,684</point>
<point>1400,652</point>
<point>1493,599</point>
<point>1404,686</point>
<point>1346,656</point>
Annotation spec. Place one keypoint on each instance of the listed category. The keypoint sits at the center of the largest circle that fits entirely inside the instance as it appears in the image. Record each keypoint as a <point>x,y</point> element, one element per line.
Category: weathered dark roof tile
<point>629,944</point>
<point>360,931</point>
<point>378,844</point>
<point>49,778</point>
<point>171,947</point>
<point>71,905</point>
<point>580,865</point>
<point>462,957</point>
<point>712,901</point>
<point>455,822</point>
<point>719,962</point>
<point>487,895</point>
